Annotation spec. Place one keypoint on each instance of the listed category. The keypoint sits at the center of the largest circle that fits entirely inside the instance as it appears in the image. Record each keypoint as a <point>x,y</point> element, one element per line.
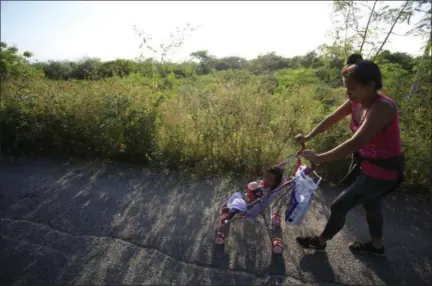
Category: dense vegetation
<point>212,114</point>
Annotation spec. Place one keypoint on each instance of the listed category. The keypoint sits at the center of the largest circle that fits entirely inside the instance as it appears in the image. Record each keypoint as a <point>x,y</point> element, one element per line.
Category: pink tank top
<point>385,144</point>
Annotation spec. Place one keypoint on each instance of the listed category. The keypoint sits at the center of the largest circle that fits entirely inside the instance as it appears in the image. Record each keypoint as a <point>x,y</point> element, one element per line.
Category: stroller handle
<point>303,147</point>
<point>309,170</point>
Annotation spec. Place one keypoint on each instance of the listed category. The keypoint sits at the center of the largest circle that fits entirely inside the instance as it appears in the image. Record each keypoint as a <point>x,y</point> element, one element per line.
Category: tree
<point>347,32</point>
<point>309,60</point>
<point>206,61</point>
<point>423,27</point>
<point>403,59</point>
<point>395,16</point>
<point>346,17</point>
<point>163,50</point>
<point>27,54</point>
<point>234,63</point>
<point>12,64</point>
<point>367,26</point>
<point>421,67</point>
<point>58,70</point>
<point>268,62</point>
<point>88,68</point>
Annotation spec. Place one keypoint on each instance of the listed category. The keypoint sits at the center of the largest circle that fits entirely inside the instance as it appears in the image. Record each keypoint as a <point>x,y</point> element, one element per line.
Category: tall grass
<point>226,121</point>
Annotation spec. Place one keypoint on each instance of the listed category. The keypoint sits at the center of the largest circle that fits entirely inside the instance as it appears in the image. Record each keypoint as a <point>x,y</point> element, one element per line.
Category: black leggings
<point>367,191</point>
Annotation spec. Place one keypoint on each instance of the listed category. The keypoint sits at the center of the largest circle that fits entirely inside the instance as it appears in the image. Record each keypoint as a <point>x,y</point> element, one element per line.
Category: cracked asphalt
<point>64,223</point>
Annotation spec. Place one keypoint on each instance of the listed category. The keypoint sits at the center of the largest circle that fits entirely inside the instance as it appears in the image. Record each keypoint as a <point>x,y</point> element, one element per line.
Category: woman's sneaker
<point>366,247</point>
<point>310,242</point>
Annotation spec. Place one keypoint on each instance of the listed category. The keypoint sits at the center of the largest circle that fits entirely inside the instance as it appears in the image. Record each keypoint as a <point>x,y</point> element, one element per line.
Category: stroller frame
<point>260,205</point>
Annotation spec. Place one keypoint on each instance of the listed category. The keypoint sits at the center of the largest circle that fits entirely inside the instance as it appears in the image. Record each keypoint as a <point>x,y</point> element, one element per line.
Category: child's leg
<point>277,234</point>
<point>277,240</point>
<point>223,215</point>
<point>276,213</point>
<point>222,228</point>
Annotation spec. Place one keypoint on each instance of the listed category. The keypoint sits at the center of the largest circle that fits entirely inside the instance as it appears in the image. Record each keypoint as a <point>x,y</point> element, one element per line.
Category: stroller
<point>279,195</point>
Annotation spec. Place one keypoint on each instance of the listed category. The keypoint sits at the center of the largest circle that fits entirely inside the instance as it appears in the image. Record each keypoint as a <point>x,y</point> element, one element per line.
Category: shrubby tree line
<point>14,64</point>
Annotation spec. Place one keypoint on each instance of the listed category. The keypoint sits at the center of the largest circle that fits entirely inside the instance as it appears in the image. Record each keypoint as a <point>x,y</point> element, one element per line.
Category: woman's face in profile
<point>355,91</point>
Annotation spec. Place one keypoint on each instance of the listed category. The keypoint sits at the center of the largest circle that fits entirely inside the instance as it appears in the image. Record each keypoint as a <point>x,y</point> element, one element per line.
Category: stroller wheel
<point>277,247</point>
<point>220,238</point>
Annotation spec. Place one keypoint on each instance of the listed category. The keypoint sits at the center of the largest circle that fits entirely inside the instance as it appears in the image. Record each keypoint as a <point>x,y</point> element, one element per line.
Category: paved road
<point>94,223</point>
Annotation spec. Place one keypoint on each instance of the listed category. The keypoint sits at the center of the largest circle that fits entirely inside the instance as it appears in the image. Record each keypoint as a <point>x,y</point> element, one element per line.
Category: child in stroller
<point>257,189</point>
<point>273,179</point>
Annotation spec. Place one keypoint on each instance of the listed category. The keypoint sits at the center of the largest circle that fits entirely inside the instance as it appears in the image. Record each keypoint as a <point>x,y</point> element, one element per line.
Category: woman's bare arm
<point>379,115</point>
<point>343,111</point>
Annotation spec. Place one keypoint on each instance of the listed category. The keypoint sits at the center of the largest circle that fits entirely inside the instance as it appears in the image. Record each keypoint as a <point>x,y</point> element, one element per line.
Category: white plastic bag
<point>237,202</point>
<point>301,197</point>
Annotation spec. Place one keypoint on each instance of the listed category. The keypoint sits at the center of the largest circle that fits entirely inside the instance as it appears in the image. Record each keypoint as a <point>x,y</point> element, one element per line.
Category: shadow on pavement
<point>107,218</point>
<point>318,265</point>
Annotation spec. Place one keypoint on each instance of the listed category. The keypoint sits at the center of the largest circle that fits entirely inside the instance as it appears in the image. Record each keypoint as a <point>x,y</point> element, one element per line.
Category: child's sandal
<point>276,221</point>
<point>220,238</point>
<point>277,246</point>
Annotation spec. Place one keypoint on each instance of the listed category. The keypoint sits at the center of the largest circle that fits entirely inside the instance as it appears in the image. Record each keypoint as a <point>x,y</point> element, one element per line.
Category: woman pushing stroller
<point>378,161</point>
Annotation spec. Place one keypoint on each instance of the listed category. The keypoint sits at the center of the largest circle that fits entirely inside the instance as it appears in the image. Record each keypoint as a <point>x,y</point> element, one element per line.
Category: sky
<point>71,30</point>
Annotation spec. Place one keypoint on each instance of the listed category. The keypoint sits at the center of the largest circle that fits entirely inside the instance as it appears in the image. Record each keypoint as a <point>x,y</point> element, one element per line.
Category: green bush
<point>14,65</point>
<point>80,118</point>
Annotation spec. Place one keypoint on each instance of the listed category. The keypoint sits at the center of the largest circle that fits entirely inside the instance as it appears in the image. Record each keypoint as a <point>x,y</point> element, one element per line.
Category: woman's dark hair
<point>278,172</point>
<point>364,72</point>
<point>354,58</point>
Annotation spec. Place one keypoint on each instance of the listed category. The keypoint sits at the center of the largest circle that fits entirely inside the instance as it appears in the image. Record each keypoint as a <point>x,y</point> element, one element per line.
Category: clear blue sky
<point>72,30</point>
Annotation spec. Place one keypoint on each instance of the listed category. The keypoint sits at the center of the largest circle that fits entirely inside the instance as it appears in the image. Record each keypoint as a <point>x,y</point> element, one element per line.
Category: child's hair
<point>278,172</point>
<point>354,58</point>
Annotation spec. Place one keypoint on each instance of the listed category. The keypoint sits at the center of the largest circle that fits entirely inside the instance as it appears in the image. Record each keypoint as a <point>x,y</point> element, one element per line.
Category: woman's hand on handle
<point>307,154</point>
